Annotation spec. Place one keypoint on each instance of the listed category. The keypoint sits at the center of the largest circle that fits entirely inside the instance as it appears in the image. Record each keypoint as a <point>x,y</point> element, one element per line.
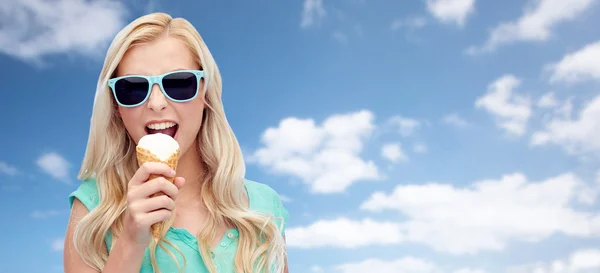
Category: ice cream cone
<point>144,154</point>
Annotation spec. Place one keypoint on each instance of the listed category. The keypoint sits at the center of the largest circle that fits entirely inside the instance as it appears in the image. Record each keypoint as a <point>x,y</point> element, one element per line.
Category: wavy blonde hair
<point>110,159</point>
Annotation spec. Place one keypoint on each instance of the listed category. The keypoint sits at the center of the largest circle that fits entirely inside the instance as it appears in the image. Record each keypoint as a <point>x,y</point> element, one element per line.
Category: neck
<point>189,167</point>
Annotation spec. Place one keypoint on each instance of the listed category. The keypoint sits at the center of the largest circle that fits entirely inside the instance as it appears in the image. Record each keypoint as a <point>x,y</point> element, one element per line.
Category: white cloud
<point>35,28</point>
<point>58,244</point>
<point>410,26</point>
<point>326,156</point>
<point>393,152</point>
<point>559,108</point>
<point>407,264</point>
<point>576,135</point>
<point>469,270</point>
<point>451,11</point>
<point>39,214</point>
<point>406,126</point>
<point>312,12</point>
<point>512,111</point>
<point>590,195</point>
<point>581,261</point>
<point>484,216</point>
<point>55,165</point>
<point>285,198</point>
<point>316,269</point>
<point>7,169</point>
<point>548,100</point>
<point>344,233</point>
<point>339,36</point>
<point>455,119</point>
<point>581,65</point>
<point>535,25</point>
<point>410,22</point>
<point>488,214</point>
<point>420,148</point>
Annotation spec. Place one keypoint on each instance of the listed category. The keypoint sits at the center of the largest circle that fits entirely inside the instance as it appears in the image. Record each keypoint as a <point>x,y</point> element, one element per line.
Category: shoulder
<point>86,193</point>
<point>262,196</point>
<point>264,199</point>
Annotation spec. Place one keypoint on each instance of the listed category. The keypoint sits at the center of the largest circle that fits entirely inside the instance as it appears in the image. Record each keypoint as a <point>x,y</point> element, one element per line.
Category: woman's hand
<point>142,209</point>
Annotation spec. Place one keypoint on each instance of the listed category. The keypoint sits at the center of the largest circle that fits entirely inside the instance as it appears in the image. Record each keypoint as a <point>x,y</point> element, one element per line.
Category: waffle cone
<point>143,156</point>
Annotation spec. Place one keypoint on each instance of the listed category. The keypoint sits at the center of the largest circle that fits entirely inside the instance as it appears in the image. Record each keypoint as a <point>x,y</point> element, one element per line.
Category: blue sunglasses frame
<point>152,80</point>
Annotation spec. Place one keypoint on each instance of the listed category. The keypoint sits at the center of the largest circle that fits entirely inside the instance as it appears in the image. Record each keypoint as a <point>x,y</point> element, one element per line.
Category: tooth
<point>161,126</point>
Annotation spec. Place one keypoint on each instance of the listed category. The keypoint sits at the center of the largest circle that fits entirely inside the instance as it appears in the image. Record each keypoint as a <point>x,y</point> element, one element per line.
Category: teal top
<point>263,199</point>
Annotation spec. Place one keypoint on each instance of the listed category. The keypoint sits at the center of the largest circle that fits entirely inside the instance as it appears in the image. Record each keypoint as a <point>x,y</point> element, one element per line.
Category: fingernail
<point>172,172</point>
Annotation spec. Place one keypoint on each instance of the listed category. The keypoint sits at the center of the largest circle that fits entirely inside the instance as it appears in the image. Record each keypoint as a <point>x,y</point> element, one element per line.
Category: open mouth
<point>167,128</point>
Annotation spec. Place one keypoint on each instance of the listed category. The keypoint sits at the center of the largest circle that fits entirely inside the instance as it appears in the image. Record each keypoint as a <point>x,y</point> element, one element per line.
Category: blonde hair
<point>110,159</point>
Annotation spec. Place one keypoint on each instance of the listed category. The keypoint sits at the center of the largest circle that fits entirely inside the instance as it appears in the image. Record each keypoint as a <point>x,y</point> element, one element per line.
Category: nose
<point>157,100</point>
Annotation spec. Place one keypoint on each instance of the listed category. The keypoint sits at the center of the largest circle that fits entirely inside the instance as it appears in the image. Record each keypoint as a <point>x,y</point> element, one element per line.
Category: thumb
<point>179,182</point>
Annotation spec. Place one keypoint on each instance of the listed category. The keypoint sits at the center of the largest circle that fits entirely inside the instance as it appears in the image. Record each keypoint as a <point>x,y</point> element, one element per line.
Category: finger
<point>155,216</point>
<point>148,168</point>
<point>156,185</point>
<point>179,182</point>
<point>152,204</point>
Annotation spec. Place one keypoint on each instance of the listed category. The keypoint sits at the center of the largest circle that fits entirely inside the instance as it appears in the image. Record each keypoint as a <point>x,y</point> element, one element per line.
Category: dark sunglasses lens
<point>180,85</point>
<point>131,91</point>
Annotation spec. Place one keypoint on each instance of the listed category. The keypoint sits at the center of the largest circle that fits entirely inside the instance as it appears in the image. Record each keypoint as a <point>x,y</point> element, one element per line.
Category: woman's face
<point>158,57</point>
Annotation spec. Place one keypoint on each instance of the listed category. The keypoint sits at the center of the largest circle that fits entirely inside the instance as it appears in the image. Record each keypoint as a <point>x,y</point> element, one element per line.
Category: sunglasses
<point>134,90</point>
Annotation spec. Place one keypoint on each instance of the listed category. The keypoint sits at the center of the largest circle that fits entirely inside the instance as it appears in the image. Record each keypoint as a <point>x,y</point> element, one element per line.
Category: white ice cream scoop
<point>161,145</point>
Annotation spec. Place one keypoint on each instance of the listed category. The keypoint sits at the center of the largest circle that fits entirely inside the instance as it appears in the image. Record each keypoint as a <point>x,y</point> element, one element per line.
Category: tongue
<point>169,131</point>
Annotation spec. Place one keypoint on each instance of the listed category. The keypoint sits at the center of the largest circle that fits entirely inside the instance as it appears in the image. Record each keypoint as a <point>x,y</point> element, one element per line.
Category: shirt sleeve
<point>87,193</point>
<point>265,199</point>
<point>281,212</point>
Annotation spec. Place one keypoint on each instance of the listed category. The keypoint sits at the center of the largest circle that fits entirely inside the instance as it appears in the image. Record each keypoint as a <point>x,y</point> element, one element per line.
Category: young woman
<point>159,76</point>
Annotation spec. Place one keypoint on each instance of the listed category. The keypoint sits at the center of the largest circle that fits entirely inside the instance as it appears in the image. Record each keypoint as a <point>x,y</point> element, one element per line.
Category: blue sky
<point>422,136</point>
